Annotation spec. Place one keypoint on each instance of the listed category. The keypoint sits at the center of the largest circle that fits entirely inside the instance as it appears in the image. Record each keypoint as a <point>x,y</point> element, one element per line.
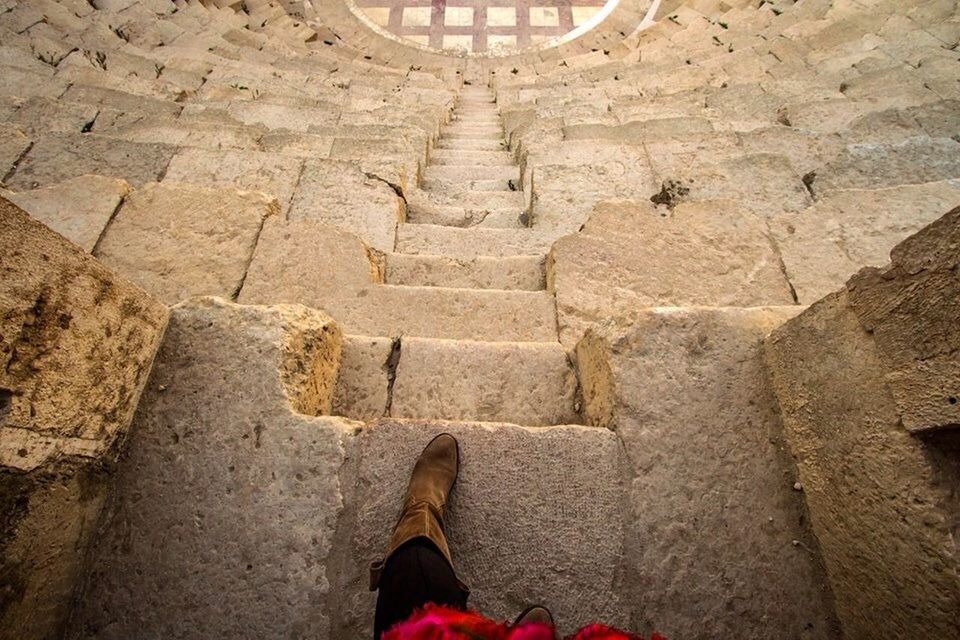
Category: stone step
<point>470,173</point>
<point>460,186</point>
<point>458,157</point>
<point>464,127</point>
<point>428,239</point>
<point>525,383</point>
<point>472,144</point>
<point>461,134</point>
<point>470,200</point>
<point>491,119</point>
<point>423,211</point>
<point>512,272</point>
<point>429,312</point>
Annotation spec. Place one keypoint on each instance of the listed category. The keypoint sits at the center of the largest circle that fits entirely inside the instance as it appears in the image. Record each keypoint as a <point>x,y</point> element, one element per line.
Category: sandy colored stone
<point>227,502</point>
<point>716,545</point>
<point>632,254</point>
<point>66,321</point>
<point>79,209</point>
<point>270,173</point>
<point>862,471</point>
<point>12,145</point>
<point>470,242</point>
<point>280,116</point>
<point>57,157</point>
<point>339,194</point>
<point>873,166</point>
<point>40,115</point>
<point>361,392</point>
<point>536,516</point>
<point>532,384</point>
<point>849,229</point>
<point>483,272</point>
<point>307,260</point>
<point>180,240</point>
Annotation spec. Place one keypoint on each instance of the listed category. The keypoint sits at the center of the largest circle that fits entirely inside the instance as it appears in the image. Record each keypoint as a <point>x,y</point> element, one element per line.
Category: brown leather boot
<point>433,477</point>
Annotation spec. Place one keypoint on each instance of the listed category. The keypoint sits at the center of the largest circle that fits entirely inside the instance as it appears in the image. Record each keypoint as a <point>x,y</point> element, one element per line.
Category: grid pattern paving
<point>480,25</point>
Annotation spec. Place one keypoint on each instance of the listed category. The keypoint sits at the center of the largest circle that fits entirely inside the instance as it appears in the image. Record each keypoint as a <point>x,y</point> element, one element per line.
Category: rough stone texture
<point>846,230</point>
<point>12,145</point>
<point>531,384</point>
<point>536,516</point>
<point>79,209</point>
<point>180,240</point>
<point>270,173</point>
<point>718,545</point>
<point>862,471</point>
<point>306,260</point>
<point>361,392</point>
<point>632,254</point>
<point>57,157</point>
<point>484,272</point>
<point>339,194</point>
<point>472,242</point>
<point>873,166</point>
<point>226,504</point>
<point>66,322</point>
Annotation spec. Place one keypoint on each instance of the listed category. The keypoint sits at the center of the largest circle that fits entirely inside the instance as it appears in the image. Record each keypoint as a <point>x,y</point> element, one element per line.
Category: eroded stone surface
<point>181,240</point>
<point>717,545</point>
<point>79,209</point>
<point>364,377</point>
<point>13,143</point>
<point>632,254</point>
<point>67,321</point>
<point>227,502</point>
<point>513,541</point>
<point>57,157</point>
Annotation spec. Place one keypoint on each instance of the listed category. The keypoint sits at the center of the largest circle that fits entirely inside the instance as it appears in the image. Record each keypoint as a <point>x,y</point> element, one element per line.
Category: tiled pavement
<point>480,25</point>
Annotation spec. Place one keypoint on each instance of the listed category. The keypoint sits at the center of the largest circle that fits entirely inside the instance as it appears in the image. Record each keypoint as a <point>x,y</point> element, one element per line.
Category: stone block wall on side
<point>76,345</point>
<point>867,380</point>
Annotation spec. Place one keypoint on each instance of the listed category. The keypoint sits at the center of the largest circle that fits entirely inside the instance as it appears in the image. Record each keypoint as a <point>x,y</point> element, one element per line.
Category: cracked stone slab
<point>850,229</point>
<point>632,254</point>
<point>182,240</point>
<point>536,516</point>
<point>227,500</point>
<point>79,209</point>
<point>13,143</point>
<point>57,157</point>
<point>717,545</point>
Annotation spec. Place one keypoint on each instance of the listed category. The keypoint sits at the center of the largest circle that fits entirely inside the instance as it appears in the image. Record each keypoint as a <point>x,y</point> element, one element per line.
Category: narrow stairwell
<point>464,237</point>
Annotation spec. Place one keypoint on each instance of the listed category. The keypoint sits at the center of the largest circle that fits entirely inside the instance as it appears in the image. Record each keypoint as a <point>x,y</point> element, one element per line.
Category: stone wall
<point>867,380</point>
<point>76,345</point>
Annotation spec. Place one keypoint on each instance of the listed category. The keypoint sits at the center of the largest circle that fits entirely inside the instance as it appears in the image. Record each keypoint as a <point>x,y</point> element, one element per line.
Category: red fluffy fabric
<point>441,623</point>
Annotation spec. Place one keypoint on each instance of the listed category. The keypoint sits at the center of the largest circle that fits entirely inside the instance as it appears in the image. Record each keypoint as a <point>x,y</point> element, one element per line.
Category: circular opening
<point>482,27</point>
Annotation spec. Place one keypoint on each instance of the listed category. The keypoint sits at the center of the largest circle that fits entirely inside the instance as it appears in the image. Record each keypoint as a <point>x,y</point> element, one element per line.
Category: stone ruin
<point>685,286</point>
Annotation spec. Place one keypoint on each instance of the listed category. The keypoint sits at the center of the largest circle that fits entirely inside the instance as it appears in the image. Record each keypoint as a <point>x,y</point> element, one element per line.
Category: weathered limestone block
<point>632,254</point>
<point>532,384</point>
<point>36,116</point>
<point>181,240</point>
<point>79,209</point>
<point>226,505</point>
<point>339,194</point>
<point>12,145</point>
<point>271,173</point>
<point>76,343</point>
<point>363,380</point>
<point>875,166</point>
<point>716,546</point>
<point>483,272</point>
<point>61,156</point>
<point>854,375</point>
<point>306,260</point>
<point>846,230</point>
<point>536,516</point>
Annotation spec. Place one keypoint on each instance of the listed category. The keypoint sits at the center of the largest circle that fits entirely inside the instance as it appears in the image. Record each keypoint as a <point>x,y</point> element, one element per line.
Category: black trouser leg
<point>414,575</point>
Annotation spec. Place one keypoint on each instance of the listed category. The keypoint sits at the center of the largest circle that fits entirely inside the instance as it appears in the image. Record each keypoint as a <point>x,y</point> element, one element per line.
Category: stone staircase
<point>568,258</point>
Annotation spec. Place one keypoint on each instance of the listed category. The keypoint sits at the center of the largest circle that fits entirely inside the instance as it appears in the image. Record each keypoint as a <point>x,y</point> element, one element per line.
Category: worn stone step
<point>471,200</point>
<point>472,144</point>
<point>470,242</point>
<point>472,134</point>
<point>423,211</point>
<point>458,157</point>
<point>512,272</point>
<point>473,173</point>
<point>525,383</point>
<point>491,119</point>
<point>471,127</point>
<point>458,186</point>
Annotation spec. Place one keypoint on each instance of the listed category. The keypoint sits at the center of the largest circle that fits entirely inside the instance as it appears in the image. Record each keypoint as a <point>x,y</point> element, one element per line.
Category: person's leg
<point>417,568</point>
<point>413,576</point>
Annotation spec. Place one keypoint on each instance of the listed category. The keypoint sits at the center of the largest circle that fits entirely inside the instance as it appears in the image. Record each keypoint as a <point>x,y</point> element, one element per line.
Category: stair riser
<point>523,273</point>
